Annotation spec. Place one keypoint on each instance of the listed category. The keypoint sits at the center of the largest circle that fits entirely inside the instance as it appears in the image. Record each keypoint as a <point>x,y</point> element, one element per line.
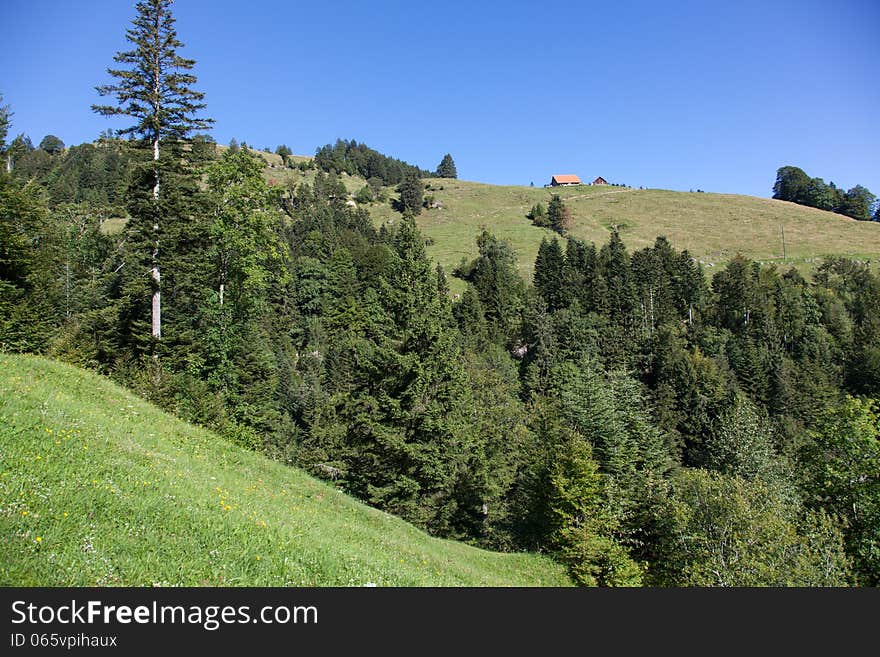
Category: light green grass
<point>713,227</point>
<point>98,487</point>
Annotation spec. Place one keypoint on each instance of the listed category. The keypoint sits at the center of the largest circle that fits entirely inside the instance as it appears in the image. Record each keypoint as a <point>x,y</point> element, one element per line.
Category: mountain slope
<point>98,487</point>
<point>712,227</point>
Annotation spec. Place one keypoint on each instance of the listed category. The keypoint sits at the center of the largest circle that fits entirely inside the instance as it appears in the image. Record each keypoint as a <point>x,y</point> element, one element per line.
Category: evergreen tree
<point>25,318</point>
<point>411,190</point>
<point>618,300</point>
<point>498,284</point>
<point>284,151</point>
<point>562,503</point>
<point>538,216</point>
<point>470,316</point>
<point>550,274</point>
<point>558,215</point>
<point>5,120</point>
<point>446,168</point>
<point>154,88</point>
<point>20,146</point>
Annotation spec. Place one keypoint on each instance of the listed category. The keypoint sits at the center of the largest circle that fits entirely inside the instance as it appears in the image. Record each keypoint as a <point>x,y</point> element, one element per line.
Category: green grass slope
<point>713,227</point>
<point>98,487</point>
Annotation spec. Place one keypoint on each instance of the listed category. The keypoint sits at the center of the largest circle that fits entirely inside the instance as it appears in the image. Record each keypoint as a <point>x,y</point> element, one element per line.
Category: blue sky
<point>675,95</point>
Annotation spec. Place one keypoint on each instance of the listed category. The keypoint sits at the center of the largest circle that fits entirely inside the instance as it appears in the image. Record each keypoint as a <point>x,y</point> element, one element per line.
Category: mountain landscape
<point>223,365</point>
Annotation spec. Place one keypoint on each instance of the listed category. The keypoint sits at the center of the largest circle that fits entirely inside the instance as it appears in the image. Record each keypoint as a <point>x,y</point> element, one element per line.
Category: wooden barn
<point>565,180</point>
<point>599,181</point>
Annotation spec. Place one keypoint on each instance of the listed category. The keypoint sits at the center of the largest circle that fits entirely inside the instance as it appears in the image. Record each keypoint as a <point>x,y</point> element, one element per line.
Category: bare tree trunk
<point>67,287</point>
<point>155,274</point>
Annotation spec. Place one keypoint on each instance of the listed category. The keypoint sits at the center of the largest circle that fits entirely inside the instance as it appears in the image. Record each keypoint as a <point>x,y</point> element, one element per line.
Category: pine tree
<point>446,168</point>
<point>558,216</point>
<point>154,88</point>
<point>411,191</point>
<point>550,274</point>
<point>538,216</point>
<point>5,120</point>
<point>498,284</point>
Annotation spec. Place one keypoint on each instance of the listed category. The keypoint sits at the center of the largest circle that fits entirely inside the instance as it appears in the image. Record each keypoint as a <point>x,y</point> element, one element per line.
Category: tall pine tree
<point>154,88</point>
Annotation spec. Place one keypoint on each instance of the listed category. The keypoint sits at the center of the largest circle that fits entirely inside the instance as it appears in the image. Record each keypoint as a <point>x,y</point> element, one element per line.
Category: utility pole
<point>783,243</point>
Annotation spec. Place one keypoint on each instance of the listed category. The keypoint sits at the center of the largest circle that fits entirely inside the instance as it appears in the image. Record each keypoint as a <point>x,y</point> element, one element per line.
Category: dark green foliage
<point>5,120</point>
<point>358,159</point>
<point>550,275</point>
<point>153,87</point>
<point>97,173</point>
<point>721,530</point>
<point>20,147</point>
<point>284,151</point>
<point>400,434</point>
<point>611,413</point>
<point>51,145</point>
<point>446,168</point>
<point>840,473</point>
<point>500,289</point>
<point>471,317</point>
<point>792,184</point>
<point>562,503</point>
<point>538,216</point>
<point>411,190</point>
<point>558,215</point>
<point>854,321</point>
<point>365,195</point>
<point>204,148</point>
<point>154,90</point>
<point>621,415</point>
<point>26,320</point>
<point>857,203</point>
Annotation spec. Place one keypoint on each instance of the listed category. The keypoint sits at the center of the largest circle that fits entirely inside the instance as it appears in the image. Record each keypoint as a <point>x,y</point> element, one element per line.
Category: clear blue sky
<point>676,95</point>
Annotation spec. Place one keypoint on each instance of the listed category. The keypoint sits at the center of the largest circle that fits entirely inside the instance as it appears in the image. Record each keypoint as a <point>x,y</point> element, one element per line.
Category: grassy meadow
<point>712,227</point>
<point>99,488</point>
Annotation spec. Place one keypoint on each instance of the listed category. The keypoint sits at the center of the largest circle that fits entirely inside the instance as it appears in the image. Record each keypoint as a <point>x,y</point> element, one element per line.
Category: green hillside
<point>98,487</point>
<point>712,227</point>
